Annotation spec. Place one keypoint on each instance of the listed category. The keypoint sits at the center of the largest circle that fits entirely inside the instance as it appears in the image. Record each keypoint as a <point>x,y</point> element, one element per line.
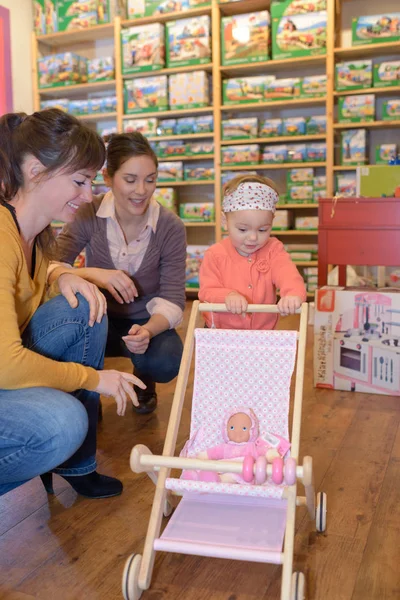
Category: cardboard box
<point>302,251</point>
<point>39,17</point>
<point>245,90</point>
<point>240,155</point>
<point>228,175</point>
<point>189,90</point>
<point>147,94</point>
<point>356,109</point>
<point>319,194</point>
<point>194,258</point>
<point>303,176</point>
<point>245,38</point>
<point>354,147</point>
<point>275,154</point>
<point>170,171</point>
<point>306,223</point>
<point>346,184</point>
<point>294,126</point>
<point>316,152</point>
<point>271,127</point>
<point>313,86</point>
<point>286,8</point>
<point>166,196</point>
<point>236,129</point>
<point>297,153</point>
<point>185,125</point>
<point>197,211</point>
<point>299,35</point>
<point>51,20</point>
<point>200,148</point>
<point>191,173</point>
<point>166,127</point>
<point>188,42</point>
<point>319,182</point>
<point>384,153</point>
<point>316,125</point>
<point>101,69</point>
<point>79,107</point>
<point>377,181</point>
<point>282,89</point>
<point>204,124</point>
<point>142,48</point>
<point>59,70</point>
<point>356,340</point>
<point>387,74</point>
<point>375,29</point>
<point>147,127</point>
<point>147,8</point>
<point>171,148</point>
<point>298,194</point>
<point>282,220</point>
<point>76,14</point>
<point>60,103</point>
<point>391,110</point>
<point>354,75</point>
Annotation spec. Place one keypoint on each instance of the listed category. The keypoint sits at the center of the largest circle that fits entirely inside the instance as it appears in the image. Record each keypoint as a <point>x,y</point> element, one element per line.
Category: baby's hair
<point>234,183</point>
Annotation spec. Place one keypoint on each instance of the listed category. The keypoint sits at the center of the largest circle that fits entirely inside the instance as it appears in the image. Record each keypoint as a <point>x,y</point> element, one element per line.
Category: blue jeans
<point>43,429</point>
<point>161,361</point>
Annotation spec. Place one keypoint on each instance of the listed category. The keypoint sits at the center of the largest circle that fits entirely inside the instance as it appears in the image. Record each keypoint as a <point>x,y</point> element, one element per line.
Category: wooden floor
<point>70,548</point>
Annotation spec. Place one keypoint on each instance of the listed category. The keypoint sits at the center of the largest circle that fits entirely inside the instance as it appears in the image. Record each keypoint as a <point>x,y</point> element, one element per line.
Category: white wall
<point>21,28</point>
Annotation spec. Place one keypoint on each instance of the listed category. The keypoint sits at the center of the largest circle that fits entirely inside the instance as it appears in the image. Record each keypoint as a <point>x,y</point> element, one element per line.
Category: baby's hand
<point>236,303</point>
<point>288,305</point>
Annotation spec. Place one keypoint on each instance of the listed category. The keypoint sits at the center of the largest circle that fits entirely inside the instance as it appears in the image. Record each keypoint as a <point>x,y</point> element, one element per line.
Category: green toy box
<point>77,14</point>
<point>166,127</point>
<point>236,129</point>
<point>297,153</point>
<point>299,35</point>
<point>354,147</point>
<point>301,194</point>
<point>319,182</point>
<point>101,69</point>
<point>391,110</point>
<point>384,153</point>
<point>61,70</point>
<point>194,258</point>
<point>302,176</point>
<point>375,29</point>
<point>245,90</point>
<point>356,109</point>
<point>147,8</point>
<point>275,154</point>
<point>316,152</point>
<point>172,148</point>
<point>287,8</point>
<point>39,17</point>
<point>147,127</point>
<point>245,38</point>
<point>170,171</point>
<point>306,223</point>
<point>189,90</point>
<point>142,48</point>
<point>79,107</point>
<point>148,94</point>
<point>240,155</point>
<point>387,74</point>
<point>346,184</point>
<point>191,173</point>
<point>200,148</point>
<point>188,42</point>
<point>197,211</point>
<point>313,86</point>
<point>60,103</point>
<point>166,196</point>
<point>316,125</point>
<point>204,124</point>
<point>282,89</point>
<point>271,128</point>
<point>51,16</point>
<point>354,75</point>
<point>294,126</point>
<point>282,220</point>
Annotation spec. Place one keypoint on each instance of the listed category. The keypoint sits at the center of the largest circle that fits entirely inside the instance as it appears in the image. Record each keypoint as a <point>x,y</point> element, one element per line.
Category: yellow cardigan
<point>20,297</point>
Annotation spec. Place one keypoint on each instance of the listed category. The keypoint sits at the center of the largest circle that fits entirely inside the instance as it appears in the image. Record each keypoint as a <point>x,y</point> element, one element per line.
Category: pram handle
<point>255,308</point>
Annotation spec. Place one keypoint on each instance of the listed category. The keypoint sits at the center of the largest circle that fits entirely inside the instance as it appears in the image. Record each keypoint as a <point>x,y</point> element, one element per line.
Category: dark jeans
<point>160,363</point>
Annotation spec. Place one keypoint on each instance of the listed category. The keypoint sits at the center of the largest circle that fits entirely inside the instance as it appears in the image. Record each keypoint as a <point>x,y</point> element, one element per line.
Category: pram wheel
<point>298,591</point>
<point>320,512</point>
<point>130,578</point>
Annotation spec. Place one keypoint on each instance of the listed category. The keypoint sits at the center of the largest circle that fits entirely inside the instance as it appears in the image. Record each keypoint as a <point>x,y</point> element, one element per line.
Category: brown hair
<point>233,184</point>
<point>122,146</point>
<point>58,140</point>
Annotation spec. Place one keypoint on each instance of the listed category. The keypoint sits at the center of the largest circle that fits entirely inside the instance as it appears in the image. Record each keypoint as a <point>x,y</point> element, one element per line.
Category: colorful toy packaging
<point>185,125</point>
<point>354,75</point>
<point>191,173</point>
<point>77,14</point>
<point>275,154</point>
<point>376,29</point>
<point>299,194</point>
<point>306,223</point>
<point>319,194</point>
<point>51,16</point>
<point>171,148</point>
<point>302,251</point>
<point>240,155</point>
<point>236,129</point>
<point>200,148</point>
<point>346,184</point>
<point>204,124</point>
<point>316,152</point>
<point>148,94</point>
<point>313,87</point>
<point>300,177</point>
<point>294,126</point>
<point>166,127</point>
<point>170,171</point>
<point>245,90</point>
<point>61,70</point>
<point>316,125</point>
<point>39,17</point>
<point>60,103</point>
<point>147,8</point>
<point>271,127</point>
<point>282,220</point>
<point>354,147</point>
<point>384,153</point>
<point>197,211</point>
<point>101,69</point>
<point>189,90</point>
<point>188,42</point>
<point>228,175</point>
<point>355,109</point>
<point>387,74</point>
<point>166,196</point>
<point>297,153</point>
<point>319,182</point>
<point>79,107</point>
<point>282,89</point>
<point>299,35</point>
<point>286,8</point>
<point>147,127</point>
<point>194,258</point>
<point>245,38</point>
<point>143,48</point>
<point>391,110</point>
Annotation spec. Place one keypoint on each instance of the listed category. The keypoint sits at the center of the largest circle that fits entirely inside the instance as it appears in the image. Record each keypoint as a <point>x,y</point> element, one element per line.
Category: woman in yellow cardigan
<point>51,351</point>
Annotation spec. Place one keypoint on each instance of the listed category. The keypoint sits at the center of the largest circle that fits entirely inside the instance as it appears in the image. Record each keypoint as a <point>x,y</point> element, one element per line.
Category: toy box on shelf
<point>64,69</point>
<point>300,252</point>
<point>228,175</point>
<point>294,126</point>
<point>189,90</point>
<point>297,153</point>
<point>166,196</point>
<point>378,181</point>
<point>142,48</point>
<point>384,153</point>
<point>188,42</point>
<point>282,220</point>
<point>275,154</point>
<point>39,17</point>
<point>287,8</point>
<point>302,176</point>
<point>204,124</point>
<point>300,194</point>
<point>236,129</point>
<point>376,29</point>
<point>299,35</point>
<point>354,75</point>
<point>191,173</point>
<point>170,171</point>
<point>313,86</point>
<point>240,155</point>
<point>171,148</point>
<point>245,90</point>
<point>319,182</point>
<point>148,8</point>
<point>194,258</point>
<point>346,184</point>
<point>167,127</point>
<point>101,69</point>
<point>391,110</point>
<point>271,127</point>
<point>197,212</point>
<point>147,127</point>
<point>306,223</point>
<point>387,74</point>
<point>77,14</point>
<point>355,109</point>
<point>316,125</point>
<point>282,89</point>
<point>60,103</point>
<point>357,340</point>
<point>245,38</point>
<point>203,148</point>
<point>147,94</point>
<point>354,147</point>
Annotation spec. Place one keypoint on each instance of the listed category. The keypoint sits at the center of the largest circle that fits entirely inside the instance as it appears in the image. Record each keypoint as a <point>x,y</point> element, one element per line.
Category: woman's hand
<point>138,339</point>
<point>236,303</point>
<point>70,285</point>
<point>118,283</point>
<point>119,385</point>
<point>288,305</point>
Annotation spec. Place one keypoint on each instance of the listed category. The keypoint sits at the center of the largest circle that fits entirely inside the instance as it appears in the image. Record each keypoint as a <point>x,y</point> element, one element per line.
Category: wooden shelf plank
<point>170,71</point>
<point>347,167</point>
<point>78,90</point>
<point>384,91</point>
<point>366,50</point>
<point>186,136</point>
<point>273,140</point>
<point>186,158</point>
<point>75,36</point>
<point>272,65</point>
<point>98,117</point>
<point>368,125</point>
<point>272,105</point>
<point>264,166</point>
<point>182,112</point>
<point>183,183</point>
<point>172,16</point>
<point>198,224</point>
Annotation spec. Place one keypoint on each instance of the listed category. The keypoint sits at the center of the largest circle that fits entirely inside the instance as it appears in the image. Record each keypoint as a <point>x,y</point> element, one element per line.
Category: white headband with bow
<point>251,196</point>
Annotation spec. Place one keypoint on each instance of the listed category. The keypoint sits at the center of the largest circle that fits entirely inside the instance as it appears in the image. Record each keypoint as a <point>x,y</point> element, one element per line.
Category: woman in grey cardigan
<point>136,252</point>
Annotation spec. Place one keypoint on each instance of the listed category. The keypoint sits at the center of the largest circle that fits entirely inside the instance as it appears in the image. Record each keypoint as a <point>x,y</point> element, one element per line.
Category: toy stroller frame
<point>138,569</point>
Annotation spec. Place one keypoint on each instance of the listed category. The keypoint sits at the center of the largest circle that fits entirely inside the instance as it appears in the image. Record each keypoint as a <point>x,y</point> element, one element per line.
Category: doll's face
<point>238,428</point>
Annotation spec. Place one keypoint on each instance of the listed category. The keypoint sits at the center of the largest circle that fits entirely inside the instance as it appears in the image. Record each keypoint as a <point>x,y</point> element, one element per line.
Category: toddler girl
<point>248,266</point>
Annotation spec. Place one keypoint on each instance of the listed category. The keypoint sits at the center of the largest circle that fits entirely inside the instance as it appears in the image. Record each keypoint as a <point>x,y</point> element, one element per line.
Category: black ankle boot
<point>147,398</point>
<point>92,485</point>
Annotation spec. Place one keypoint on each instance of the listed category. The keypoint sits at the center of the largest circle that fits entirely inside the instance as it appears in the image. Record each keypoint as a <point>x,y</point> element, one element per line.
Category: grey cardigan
<point>162,272</point>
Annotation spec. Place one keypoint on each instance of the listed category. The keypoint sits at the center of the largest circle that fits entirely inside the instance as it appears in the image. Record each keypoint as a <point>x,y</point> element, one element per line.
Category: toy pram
<point>231,520</point>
